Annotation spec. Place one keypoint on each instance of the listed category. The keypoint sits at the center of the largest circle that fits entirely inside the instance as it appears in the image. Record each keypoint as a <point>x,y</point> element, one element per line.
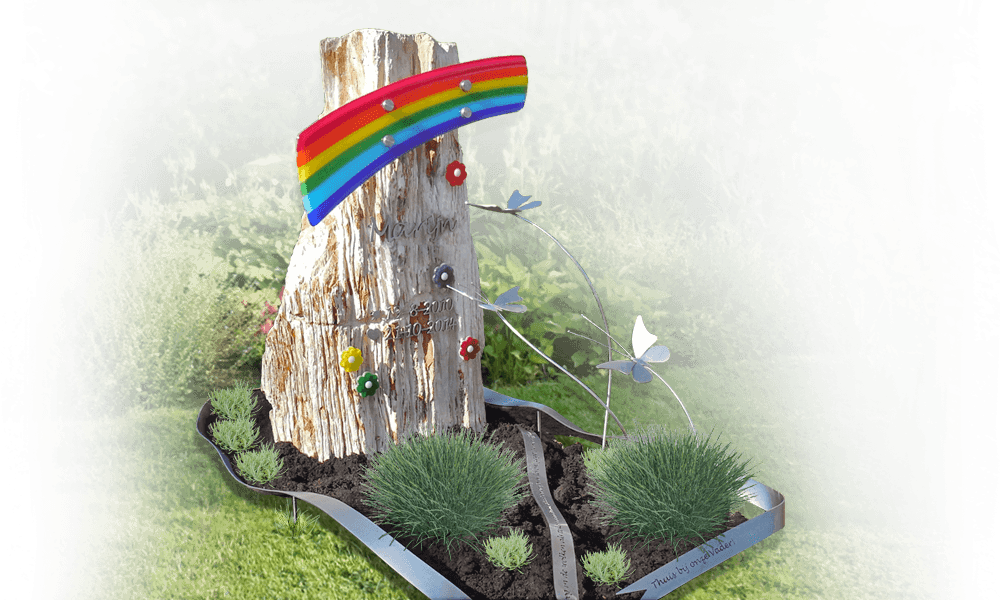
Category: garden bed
<point>470,569</point>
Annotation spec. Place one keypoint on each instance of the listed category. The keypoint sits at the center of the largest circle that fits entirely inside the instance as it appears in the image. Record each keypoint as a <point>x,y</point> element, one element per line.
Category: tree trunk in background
<point>350,285</point>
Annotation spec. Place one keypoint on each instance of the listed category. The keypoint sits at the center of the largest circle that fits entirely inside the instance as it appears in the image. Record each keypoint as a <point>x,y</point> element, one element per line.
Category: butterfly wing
<point>656,354</point>
<point>518,203</point>
<point>516,200</point>
<point>506,300</point>
<point>622,366</point>
<point>641,339</point>
<point>488,306</point>
<point>641,372</point>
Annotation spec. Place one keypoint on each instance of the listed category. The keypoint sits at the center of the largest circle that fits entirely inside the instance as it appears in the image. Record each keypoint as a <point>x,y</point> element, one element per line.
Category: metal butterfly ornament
<point>516,204</point>
<point>642,346</point>
<point>505,301</point>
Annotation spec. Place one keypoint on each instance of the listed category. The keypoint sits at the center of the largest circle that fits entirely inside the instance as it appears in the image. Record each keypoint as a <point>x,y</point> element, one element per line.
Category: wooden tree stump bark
<point>363,278</point>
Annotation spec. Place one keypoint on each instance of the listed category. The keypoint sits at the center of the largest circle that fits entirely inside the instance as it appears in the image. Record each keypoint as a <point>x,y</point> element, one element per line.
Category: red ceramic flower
<point>470,348</point>
<point>455,173</point>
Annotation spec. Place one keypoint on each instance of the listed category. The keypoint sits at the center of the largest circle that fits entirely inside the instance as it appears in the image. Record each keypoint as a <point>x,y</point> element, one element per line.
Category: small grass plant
<point>235,403</point>
<point>608,567</point>
<point>259,466</point>
<point>667,485</point>
<point>235,432</point>
<point>510,552</point>
<point>448,487</point>
<point>304,524</point>
<point>235,436</point>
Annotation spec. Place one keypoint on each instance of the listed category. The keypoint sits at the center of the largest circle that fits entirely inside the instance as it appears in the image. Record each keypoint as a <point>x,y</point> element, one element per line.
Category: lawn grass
<point>184,529</point>
<point>175,525</point>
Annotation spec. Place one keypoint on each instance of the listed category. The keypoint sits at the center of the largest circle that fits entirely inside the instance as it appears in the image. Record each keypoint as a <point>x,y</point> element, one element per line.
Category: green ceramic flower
<point>367,384</point>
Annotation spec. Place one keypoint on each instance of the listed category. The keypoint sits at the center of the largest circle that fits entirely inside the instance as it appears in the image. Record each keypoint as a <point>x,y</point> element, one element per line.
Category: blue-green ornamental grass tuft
<point>608,567</point>
<point>444,487</point>
<point>235,436</point>
<point>671,486</point>
<point>235,403</point>
<point>509,552</point>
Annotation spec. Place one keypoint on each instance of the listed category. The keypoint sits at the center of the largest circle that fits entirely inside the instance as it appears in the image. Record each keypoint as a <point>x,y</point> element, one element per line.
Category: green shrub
<point>555,293</point>
<point>710,300</point>
<point>162,320</point>
<point>259,466</point>
<point>720,283</point>
<point>253,221</point>
<point>509,552</point>
<point>253,218</point>
<point>235,436</point>
<point>216,123</point>
<point>606,567</point>
<point>444,487</point>
<point>667,486</point>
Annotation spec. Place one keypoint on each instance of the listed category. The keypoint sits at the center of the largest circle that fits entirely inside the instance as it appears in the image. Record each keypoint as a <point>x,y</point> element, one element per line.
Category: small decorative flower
<point>350,359</point>
<point>367,384</point>
<point>444,275</point>
<point>456,173</point>
<point>470,348</point>
<point>268,309</point>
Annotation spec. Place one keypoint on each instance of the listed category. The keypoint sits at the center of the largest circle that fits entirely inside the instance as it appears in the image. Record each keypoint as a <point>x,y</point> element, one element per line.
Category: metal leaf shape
<point>622,366</point>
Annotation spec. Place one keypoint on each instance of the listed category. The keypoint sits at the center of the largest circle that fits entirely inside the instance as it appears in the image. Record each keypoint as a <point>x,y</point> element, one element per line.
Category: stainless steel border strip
<point>498,399</point>
<point>403,561</point>
<point>563,554</point>
<point>657,584</point>
<point>677,572</point>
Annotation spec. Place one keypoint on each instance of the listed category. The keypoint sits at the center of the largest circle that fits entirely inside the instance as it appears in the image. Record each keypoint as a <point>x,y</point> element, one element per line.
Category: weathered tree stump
<point>363,278</point>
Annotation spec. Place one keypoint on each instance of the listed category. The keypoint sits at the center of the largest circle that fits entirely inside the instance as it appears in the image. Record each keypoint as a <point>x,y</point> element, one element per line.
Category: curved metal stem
<point>600,307</point>
<point>654,373</point>
<point>560,367</point>
<point>690,422</point>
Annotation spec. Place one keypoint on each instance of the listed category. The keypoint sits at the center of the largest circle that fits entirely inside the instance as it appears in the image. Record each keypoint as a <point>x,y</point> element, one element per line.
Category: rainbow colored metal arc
<point>339,152</point>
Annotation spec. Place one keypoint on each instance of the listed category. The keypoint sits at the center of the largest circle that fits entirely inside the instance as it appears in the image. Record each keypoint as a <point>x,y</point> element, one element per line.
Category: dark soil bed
<point>469,569</point>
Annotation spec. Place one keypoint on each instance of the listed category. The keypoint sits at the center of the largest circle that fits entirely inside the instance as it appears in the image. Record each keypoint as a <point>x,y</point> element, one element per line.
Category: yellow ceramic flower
<point>350,359</point>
